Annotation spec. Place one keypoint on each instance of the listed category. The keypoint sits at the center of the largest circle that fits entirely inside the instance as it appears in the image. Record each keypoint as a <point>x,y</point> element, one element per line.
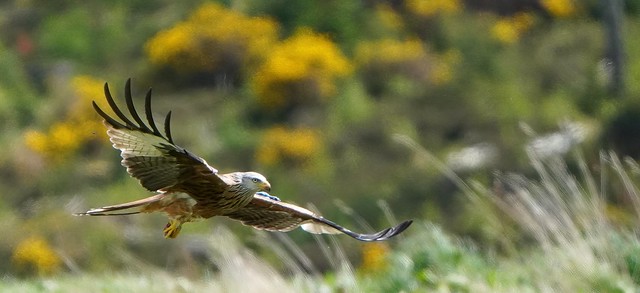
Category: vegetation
<point>497,127</point>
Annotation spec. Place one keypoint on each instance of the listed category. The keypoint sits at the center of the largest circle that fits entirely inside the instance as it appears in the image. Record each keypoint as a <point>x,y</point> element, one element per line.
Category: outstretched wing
<point>270,214</point>
<point>152,157</point>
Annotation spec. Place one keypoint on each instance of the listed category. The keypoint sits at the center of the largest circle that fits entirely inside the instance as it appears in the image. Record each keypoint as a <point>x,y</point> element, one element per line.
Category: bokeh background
<point>508,130</point>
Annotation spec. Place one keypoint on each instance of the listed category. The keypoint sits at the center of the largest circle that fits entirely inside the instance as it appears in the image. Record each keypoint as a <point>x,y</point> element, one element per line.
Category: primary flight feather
<point>188,189</point>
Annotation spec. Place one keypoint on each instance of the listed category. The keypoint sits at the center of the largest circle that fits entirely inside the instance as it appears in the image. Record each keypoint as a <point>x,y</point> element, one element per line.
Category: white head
<point>255,181</point>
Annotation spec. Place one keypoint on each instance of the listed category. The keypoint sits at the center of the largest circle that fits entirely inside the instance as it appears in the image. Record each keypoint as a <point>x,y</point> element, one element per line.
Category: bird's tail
<point>109,210</point>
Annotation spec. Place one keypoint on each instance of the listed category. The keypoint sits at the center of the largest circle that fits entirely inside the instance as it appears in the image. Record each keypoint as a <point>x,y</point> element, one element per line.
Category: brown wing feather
<point>272,215</point>
<point>152,157</point>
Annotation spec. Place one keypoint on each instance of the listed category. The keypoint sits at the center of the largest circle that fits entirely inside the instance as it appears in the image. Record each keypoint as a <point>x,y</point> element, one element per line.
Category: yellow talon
<point>172,229</point>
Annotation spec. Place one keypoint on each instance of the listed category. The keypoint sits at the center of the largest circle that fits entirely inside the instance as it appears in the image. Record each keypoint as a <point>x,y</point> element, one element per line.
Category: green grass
<point>570,242</point>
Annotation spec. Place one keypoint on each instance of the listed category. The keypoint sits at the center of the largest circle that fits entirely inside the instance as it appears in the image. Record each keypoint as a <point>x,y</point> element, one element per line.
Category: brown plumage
<point>266,212</point>
<point>189,189</point>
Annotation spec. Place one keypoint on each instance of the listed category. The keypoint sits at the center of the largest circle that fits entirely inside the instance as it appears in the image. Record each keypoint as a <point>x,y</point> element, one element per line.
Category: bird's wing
<point>269,214</point>
<point>152,157</point>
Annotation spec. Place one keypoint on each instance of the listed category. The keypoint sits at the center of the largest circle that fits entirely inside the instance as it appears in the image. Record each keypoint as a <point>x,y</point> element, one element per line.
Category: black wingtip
<point>116,110</point>
<point>167,127</point>
<point>399,228</point>
<point>132,108</point>
<point>149,114</point>
<point>384,234</point>
<point>106,117</point>
<point>379,236</point>
<point>139,124</point>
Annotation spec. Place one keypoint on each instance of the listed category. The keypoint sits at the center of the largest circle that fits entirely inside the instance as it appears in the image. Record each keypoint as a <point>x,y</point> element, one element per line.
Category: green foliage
<point>339,19</point>
<point>14,83</point>
<point>632,259</point>
<point>69,35</point>
<point>77,34</point>
<point>632,64</point>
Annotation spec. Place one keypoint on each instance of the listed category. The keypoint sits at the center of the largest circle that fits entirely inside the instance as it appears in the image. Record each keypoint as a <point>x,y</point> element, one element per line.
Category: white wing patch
<point>143,158</point>
<point>135,143</point>
<point>317,228</point>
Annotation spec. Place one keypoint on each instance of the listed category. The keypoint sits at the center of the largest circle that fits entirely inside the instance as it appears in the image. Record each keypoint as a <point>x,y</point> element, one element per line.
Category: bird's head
<point>255,181</point>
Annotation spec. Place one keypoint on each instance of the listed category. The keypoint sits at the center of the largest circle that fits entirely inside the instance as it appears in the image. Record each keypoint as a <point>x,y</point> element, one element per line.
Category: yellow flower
<point>80,125</point>
<point>429,8</point>
<point>508,30</point>
<point>64,137</point>
<point>560,8</point>
<point>442,71</point>
<point>389,17</point>
<point>210,37</point>
<point>374,257</point>
<point>505,32</point>
<point>390,51</point>
<point>56,145</point>
<point>88,89</point>
<point>283,144</point>
<point>409,58</point>
<point>304,66</point>
<point>34,253</point>
<point>82,116</point>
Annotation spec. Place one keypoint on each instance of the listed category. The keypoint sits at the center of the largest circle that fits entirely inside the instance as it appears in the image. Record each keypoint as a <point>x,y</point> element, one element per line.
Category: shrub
<point>383,60</point>
<point>289,145</point>
<point>433,7</point>
<point>213,39</point>
<point>560,8</point>
<point>35,255</point>
<point>300,70</point>
<point>81,125</point>
<point>508,30</point>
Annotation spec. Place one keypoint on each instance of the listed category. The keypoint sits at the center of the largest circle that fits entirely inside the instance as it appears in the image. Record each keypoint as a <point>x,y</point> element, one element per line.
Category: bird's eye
<point>255,180</point>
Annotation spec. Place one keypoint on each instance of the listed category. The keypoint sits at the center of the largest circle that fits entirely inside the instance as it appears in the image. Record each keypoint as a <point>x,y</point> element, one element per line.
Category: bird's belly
<point>175,205</point>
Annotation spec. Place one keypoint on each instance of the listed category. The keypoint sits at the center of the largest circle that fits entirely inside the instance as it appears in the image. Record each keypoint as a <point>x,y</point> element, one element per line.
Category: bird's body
<point>188,189</point>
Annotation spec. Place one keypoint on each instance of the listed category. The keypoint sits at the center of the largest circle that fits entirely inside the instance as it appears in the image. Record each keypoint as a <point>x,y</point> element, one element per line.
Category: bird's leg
<point>172,229</point>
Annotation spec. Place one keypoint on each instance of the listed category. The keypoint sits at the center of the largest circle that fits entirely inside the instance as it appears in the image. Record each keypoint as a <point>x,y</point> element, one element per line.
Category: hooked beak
<point>265,186</point>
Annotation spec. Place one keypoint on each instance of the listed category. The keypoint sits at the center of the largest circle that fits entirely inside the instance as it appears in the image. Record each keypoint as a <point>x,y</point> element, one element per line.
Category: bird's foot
<point>269,196</point>
<point>172,229</point>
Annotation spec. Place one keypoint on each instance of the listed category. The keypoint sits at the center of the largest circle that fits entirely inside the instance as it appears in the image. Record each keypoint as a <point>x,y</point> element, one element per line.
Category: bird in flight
<point>188,189</point>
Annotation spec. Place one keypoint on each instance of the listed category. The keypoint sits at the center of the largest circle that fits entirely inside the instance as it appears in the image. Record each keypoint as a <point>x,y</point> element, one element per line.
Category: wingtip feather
<point>149,114</point>
<point>127,122</point>
<point>386,233</point>
<point>132,109</point>
<point>167,127</point>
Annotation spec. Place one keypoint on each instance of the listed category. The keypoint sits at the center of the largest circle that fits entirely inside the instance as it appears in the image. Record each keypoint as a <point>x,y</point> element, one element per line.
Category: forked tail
<point>109,210</point>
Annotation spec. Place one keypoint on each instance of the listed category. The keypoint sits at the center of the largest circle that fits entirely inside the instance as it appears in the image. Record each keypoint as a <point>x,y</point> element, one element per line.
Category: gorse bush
<point>390,52</point>
<point>376,257</point>
<point>35,255</point>
<point>301,70</point>
<point>67,136</point>
<point>432,8</point>
<point>561,8</point>
<point>281,145</point>
<point>213,39</point>
<point>509,29</point>
<point>385,60</point>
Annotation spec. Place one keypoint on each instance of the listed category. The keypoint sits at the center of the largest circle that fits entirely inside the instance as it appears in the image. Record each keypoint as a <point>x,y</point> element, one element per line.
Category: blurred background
<point>508,130</point>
